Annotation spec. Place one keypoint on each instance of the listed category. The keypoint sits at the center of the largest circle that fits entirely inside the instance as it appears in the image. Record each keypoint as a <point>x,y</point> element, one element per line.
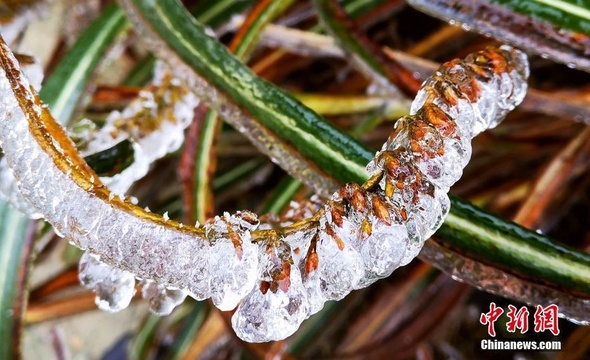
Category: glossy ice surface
<point>277,279</point>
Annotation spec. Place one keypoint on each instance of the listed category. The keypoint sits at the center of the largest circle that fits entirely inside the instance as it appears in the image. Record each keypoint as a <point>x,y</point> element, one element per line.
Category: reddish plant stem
<point>394,71</point>
<point>187,165</point>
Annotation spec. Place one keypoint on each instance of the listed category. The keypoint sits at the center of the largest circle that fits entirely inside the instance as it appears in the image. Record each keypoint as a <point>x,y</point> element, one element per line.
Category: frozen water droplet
<point>312,285</point>
<point>115,295</point>
<point>382,251</point>
<point>165,111</point>
<point>339,270</point>
<point>58,233</point>
<point>299,243</point>
<point>269,316</point>
<point>198,285</point>
<point>232,262</point>
<point>162,300</point>
<point>114,287</point>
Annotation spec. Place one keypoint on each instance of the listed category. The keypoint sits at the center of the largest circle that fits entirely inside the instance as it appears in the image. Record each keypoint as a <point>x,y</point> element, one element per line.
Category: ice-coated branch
<point>363,234</point>
<point>277,278</point>
<point>54,178</point>
<point>154,122</point>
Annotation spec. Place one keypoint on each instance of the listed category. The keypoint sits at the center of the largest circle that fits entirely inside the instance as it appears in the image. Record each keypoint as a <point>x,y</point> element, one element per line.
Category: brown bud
<point>237,242</point>
<point>381,209</point>
<point>403,214</point>
<point>264,286</point>
<point>285,281</point>
<point>438,119</point>
<point>354,195</point>
<point>312,260</point>
<point>496,60</point>
<point>274,286</point>
<point>389,187</point>
<point>248,216</point>
<point>391,163</point>
<point>366,228</point>
<point>335,236</point>
<point>337,212</point>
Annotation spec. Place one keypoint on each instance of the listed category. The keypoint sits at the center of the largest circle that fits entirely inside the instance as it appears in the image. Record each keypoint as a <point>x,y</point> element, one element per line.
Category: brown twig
<point>187,165</point>
<point>556,174</point>
<point>245,27</point>
<point>61,281</point>
<point>20,303</point>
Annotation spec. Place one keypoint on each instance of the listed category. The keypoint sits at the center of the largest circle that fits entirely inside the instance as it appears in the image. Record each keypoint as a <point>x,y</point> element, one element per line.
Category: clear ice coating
<point>362,234</point>
<point>483,16</point>
<point>114,287</point>
<point>8,188</point>
<point>340,266</point>
<point>278,304</point>
<point>383,251</point>
<point>232,261</point>
<point>431,147</point>
<point>155,122</point>
<point>9,192</point>
<point>161,299</point>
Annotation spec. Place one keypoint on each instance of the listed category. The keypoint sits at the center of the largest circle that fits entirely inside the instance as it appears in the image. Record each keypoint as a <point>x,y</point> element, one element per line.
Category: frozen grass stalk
<point>276,278</point>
